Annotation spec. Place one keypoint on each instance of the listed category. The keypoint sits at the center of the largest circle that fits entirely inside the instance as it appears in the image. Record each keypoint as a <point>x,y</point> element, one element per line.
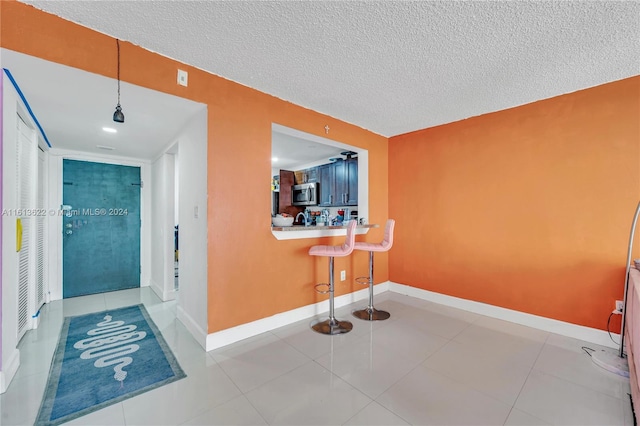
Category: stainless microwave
<point>305,194</point>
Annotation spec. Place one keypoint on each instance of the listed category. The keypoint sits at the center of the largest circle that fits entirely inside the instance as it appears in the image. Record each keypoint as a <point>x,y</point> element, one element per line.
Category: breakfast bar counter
<point>301,231</point>
<point>319,228</point>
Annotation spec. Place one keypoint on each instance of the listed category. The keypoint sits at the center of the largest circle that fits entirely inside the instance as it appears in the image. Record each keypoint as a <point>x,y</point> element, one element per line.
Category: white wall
<point>176,187</point>
<point>192,181</point>
<point>10,354</point>
<point>162,223</point>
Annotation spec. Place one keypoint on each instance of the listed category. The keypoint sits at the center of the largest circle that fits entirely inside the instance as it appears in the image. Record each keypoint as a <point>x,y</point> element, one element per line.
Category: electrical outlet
<point>343,275</point>
<point>619,305</point>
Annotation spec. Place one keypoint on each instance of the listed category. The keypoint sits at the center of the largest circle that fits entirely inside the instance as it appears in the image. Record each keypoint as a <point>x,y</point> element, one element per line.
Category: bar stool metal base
<point>332,327</point>
<point>371,314</point>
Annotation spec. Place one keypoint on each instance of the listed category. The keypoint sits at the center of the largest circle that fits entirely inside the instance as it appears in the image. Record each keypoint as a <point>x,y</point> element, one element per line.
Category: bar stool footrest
<point>363,280</point>
<point>319,288</point>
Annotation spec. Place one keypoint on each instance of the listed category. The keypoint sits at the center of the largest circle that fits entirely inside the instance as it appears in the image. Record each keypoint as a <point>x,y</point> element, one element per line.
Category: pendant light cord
<point>118,44</point>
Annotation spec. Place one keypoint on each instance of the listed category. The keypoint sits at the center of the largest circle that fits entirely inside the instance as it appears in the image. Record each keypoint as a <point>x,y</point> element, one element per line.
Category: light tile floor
<point>427,365</point>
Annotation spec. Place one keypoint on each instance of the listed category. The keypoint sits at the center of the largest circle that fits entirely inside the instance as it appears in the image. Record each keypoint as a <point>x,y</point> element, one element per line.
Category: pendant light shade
<point>118,116</point>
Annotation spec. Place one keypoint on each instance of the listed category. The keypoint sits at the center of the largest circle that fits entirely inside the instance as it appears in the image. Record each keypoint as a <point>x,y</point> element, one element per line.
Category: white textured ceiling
<point>388,66</point>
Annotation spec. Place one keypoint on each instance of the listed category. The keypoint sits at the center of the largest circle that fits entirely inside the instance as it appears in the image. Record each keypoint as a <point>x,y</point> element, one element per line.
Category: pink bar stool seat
<point>370,313</point>
<point>332,325</point>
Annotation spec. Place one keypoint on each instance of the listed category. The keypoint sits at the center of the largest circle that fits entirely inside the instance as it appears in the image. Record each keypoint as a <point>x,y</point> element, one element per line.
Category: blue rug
<point>104,358</point>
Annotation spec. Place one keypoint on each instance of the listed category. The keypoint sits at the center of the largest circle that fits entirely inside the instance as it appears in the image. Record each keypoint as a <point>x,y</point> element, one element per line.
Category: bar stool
<point>370,313</point>
<point>332,325</point>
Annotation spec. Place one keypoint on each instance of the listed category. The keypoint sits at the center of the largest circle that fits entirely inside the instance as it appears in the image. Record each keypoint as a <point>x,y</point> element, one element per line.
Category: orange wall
<point>527,208</point>
<point>251,274</point>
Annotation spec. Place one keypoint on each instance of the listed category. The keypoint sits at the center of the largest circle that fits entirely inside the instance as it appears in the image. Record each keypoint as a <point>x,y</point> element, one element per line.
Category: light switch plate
<point>183,78</point>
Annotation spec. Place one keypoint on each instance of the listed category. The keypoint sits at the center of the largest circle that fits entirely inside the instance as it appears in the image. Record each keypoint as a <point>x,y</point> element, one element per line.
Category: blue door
<point>101,228</point>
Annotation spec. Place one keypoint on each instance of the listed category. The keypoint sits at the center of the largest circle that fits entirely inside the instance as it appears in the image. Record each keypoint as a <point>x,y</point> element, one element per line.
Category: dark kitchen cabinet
<point>351,180</point>
<point>326,178</point>
<point>338,183</point>
<point>346,183</point>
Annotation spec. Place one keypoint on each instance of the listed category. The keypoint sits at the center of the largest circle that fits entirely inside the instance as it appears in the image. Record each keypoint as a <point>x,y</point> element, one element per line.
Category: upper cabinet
<point>351,180</point>
<point>306,176</point>
<point>326,179</point>
<point>338,183</point>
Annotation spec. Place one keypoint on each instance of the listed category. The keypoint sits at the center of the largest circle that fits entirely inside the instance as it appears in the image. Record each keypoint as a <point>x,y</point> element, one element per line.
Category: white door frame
<point>55,224</point>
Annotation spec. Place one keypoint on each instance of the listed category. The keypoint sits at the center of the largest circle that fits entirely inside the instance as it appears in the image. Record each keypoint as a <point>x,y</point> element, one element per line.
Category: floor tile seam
<point>124,418</point>
<point>373,401</point>
<point>293,347</point>
<point>524,383</point>
<point>29,376</point>
<point>342,347</point>
<point>272,379</point>
<point>516,363</point>
<point>250,403</point>
<point>202,411</point>
<point>436,351</point>
<point>429,333</point>
<point>450,337</point>
<point>363,337</point>
<point>578,384</point>
<point>407,361</point>
<point>345,382</point>
<point>242,343</point>
<point>352,388</point>
<point>376,399</point>
<point>493,397</point>
<point>360,411</point>
<point>422,359</point>
<point>535,415</point>
<point>230,379</point>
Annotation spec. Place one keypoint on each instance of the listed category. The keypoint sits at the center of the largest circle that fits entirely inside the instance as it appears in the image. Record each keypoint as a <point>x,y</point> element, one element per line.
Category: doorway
<point>101,227</point>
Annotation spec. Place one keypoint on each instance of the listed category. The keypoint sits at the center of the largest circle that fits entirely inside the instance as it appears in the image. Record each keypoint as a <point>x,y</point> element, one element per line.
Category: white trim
<point>231,335</point>
<point>198,333</point>
<point>315,232</point>
<point>119,160</point>
<point>164,295</point>
<point>9,370</point>
<point>587,334</point>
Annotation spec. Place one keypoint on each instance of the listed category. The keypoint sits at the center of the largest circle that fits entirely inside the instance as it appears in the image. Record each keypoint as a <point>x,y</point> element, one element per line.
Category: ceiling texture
<point>388,66</point>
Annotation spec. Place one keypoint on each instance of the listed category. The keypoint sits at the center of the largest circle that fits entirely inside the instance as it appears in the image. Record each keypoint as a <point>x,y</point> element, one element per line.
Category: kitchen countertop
<point>320,228</point>
<point>296,232</point>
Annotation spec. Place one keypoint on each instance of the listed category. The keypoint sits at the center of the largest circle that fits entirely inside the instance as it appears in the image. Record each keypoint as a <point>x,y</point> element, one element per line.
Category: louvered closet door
<point>26,170</point>
<point>40,231</point>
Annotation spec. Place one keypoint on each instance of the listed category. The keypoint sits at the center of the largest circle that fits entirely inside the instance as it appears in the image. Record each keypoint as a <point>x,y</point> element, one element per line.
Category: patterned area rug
<point>104,358</point>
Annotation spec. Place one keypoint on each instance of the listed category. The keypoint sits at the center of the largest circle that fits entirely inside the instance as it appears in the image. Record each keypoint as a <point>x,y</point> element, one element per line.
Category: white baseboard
<point>164,295</point>
<point>587,334</point>
<point>9,370</point>
<point>244,331</point>
<point>196,331</point>
<point>231,335</point>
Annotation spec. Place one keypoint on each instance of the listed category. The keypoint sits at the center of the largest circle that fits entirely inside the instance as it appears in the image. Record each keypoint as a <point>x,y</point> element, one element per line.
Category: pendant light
<point>118,116</point>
